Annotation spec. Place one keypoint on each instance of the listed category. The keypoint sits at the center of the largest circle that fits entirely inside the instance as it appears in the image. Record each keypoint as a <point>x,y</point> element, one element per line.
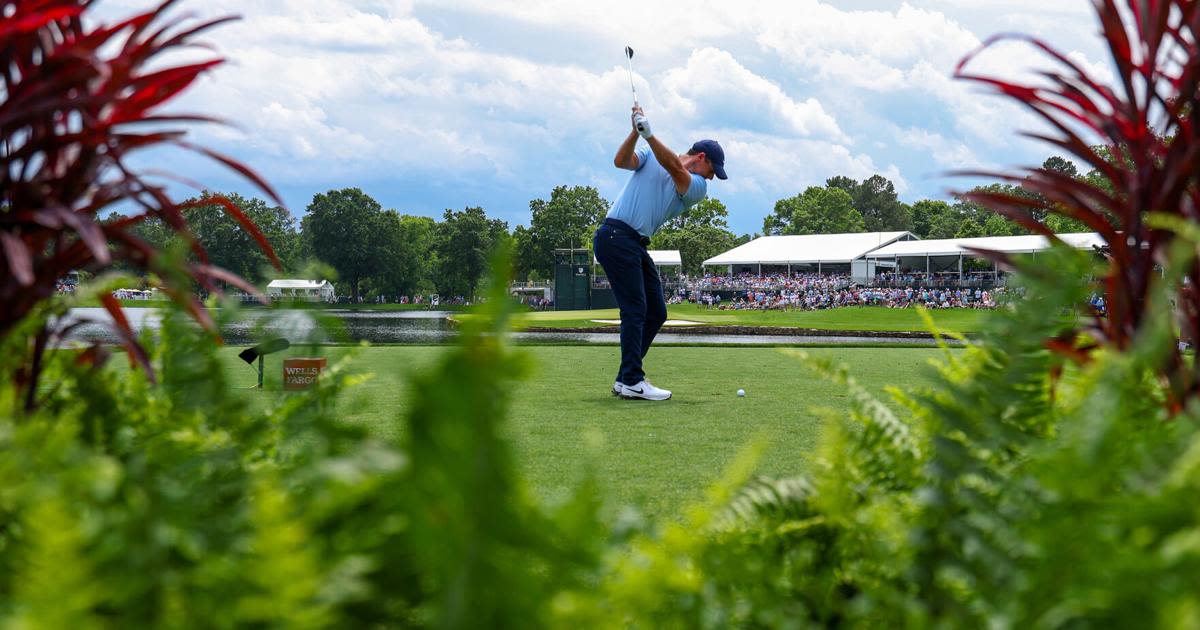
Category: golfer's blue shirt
<point>649,198</point>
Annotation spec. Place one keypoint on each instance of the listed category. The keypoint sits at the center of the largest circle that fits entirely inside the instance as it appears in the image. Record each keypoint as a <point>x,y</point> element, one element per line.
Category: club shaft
<point>631,87</point>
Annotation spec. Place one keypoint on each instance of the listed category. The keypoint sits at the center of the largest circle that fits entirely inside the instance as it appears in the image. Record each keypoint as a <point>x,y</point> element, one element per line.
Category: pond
<point>412,327</point>
<point>297,326</point>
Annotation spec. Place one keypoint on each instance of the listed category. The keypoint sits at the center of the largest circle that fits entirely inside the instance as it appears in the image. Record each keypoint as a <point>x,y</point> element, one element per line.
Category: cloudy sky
<point>432,105</point>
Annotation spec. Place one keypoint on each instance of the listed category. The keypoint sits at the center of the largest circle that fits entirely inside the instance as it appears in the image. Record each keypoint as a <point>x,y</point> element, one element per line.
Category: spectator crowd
<point>825,291</point>
<point>431,301</point>
<point>134,294</point>
<point>747,291</point>
<point>535,302</point>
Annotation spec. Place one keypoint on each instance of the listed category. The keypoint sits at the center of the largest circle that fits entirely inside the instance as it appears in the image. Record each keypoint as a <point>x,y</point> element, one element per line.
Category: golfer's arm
<point>625,157</point>
<point>671,162</point>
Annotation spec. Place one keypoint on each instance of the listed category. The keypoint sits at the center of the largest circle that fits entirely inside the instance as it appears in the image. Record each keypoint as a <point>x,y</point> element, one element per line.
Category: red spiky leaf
<point>1148,123</point>
<point>137,354</point>
<point>57,179</point>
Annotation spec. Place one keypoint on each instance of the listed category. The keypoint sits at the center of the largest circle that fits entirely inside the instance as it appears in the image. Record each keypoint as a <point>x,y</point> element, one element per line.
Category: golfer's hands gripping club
<point>641,124</point>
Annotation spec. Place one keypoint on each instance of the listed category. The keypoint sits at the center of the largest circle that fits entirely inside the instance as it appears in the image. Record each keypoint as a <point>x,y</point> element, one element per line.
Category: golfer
<point>663,186</point>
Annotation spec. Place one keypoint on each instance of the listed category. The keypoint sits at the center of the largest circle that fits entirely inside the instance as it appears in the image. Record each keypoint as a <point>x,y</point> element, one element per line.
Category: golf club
<point>629,60</point>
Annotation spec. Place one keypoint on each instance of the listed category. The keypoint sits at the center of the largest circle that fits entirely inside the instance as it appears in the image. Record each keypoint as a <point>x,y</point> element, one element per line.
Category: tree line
<point>845,205</point>
<point>374,251</point>
<point>378,251</point>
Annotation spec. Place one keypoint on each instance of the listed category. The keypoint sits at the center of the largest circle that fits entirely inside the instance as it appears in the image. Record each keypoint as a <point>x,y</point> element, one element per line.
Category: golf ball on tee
<point>741,392</point>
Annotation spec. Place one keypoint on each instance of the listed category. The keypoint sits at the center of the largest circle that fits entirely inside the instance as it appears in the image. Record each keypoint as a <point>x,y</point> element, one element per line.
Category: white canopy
<point>312,290</point>
<point>807,248</point>
<point>297,284</point>
<point>661,257</point>
<point>1008,244</point>
<point>666,257</point>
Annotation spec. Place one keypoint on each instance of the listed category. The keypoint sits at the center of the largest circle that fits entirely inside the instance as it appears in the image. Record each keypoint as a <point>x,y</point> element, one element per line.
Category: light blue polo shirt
<point>649,198</point>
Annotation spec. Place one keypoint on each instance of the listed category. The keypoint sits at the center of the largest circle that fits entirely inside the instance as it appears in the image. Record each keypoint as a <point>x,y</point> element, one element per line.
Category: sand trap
<point>669,322</point>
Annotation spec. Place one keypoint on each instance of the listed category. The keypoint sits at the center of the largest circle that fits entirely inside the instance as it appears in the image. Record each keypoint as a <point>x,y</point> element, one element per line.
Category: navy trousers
<point>638,289</point>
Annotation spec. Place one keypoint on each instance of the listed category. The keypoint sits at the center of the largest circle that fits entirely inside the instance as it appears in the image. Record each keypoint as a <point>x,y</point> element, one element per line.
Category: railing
<point>541,284</point>
<point>756,286</point>
<point>948,282</point>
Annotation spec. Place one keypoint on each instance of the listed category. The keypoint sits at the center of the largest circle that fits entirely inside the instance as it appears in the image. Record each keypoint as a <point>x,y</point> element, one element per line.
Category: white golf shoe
<point>644,391</point>
<point>616,390</point>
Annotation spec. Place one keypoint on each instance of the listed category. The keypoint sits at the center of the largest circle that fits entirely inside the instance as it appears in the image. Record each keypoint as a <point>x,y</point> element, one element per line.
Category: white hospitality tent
<point>836,253</point>
<point>662,258</point>
<point>308,290</point>
<point>666,258</point>
<point>948,254</point>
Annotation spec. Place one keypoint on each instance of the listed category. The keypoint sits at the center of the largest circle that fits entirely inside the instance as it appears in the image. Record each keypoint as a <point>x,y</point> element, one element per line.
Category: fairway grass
<point>869,318</point>
<point>654,455</point>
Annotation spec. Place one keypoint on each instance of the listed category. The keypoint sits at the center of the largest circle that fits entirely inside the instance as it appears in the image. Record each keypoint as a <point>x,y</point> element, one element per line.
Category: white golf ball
<point>741,392</point>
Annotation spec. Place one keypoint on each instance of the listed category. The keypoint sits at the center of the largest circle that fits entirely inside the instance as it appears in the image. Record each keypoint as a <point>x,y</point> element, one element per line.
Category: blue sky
<point>493,103</point>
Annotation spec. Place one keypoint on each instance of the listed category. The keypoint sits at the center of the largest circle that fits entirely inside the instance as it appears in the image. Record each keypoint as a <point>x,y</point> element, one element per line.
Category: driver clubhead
<point>629,52</point>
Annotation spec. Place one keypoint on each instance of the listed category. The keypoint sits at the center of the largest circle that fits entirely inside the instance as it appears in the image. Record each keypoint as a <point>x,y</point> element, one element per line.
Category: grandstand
<point>809,253</point>
<point>820,272</point>
<point>947,256</point>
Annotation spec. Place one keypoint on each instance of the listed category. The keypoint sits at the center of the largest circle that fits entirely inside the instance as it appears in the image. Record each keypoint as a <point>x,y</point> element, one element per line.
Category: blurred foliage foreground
<point>1048,480</point>
<point>1022,491</point>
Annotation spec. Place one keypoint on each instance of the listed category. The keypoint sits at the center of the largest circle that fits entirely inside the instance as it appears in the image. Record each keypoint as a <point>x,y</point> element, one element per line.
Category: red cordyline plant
<point>1149,125</point>
<point>76,102</point>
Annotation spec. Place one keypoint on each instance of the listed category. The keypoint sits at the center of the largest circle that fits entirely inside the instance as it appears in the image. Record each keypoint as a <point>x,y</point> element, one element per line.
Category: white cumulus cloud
<point>713,84</point>
<point>509,98</point>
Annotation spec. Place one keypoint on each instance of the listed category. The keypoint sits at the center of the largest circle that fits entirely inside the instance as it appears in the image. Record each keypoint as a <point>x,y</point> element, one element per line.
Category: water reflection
<point>413,327</point>
<point>297,326</point>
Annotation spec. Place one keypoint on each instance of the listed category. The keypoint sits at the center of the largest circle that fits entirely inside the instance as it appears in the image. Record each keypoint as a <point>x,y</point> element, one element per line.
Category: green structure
<point>572,279</point>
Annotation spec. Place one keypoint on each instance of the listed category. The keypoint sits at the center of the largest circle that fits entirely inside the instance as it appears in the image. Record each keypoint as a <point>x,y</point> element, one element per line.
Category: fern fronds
<point>765,499</point>
<point>889,448</point>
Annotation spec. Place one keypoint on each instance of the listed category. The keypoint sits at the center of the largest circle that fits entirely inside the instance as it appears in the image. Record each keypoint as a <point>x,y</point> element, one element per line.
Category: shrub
<point>77,102</point>
<point>1045,480</point>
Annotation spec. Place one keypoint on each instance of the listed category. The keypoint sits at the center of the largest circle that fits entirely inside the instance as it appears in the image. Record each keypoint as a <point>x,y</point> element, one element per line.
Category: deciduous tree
<point>710,212</point>
<point>876,200</point>
<point>969,228</point>
<point>815,211</point>
<point>408,259</point>
<point>567,219</point>
<point>464,244</point>
<point>699,234</point>
<point>346,230</point>
<point>231,247</point>
<point>926,213</point>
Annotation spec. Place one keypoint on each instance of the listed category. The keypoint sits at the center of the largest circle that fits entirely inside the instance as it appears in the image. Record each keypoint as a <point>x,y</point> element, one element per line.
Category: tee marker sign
<point>302,372</point>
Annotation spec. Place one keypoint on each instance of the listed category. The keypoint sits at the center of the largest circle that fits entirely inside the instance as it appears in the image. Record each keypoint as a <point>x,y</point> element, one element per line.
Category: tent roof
<point>1007,244</point>
<point>297,284</point>
<point>661,257</point>
<point>665,257</point>
<point>806,248</point>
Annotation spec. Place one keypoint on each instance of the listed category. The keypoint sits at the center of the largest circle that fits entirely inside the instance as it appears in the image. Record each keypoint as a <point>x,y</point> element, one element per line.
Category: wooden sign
<point>302,372</point>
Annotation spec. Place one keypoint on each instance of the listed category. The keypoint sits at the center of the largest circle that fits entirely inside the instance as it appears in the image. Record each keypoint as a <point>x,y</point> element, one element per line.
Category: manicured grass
<point>851,318</point>
<point>656,455</point>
